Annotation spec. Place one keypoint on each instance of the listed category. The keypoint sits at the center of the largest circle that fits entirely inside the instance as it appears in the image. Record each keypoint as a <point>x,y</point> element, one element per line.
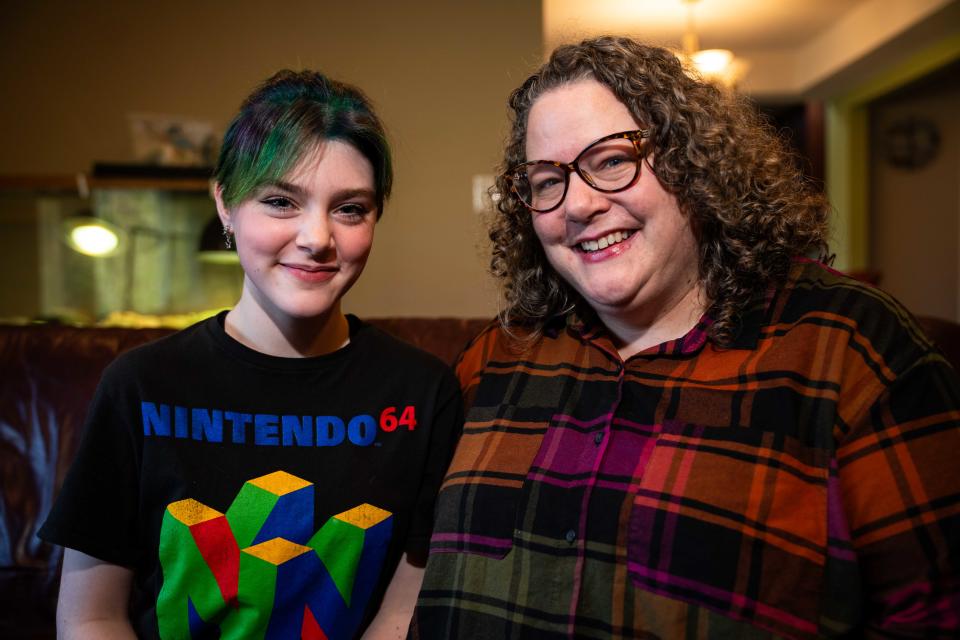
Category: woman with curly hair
<point>684,425</point>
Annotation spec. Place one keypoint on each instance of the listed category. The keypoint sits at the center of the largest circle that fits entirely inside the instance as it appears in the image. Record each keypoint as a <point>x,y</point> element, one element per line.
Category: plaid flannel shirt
<point>803,483</point>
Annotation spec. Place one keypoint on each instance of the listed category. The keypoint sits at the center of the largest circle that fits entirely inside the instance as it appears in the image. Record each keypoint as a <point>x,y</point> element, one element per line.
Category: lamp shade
<point>92,236</point>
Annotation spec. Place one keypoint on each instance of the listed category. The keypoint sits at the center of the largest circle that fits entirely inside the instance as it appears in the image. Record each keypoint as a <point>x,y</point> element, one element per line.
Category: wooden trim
<point>64,182</point>
<point>813,142</point>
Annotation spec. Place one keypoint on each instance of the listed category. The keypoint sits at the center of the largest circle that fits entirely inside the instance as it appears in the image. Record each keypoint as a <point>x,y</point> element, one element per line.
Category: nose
<point>582,201</point>
<point>313,234</point>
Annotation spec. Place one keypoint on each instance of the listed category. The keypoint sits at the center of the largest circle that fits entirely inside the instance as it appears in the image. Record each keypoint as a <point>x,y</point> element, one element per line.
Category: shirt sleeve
<point>447,424</point>
<point>96,509</point>
<point>900,486</point>
<point>470,363</point>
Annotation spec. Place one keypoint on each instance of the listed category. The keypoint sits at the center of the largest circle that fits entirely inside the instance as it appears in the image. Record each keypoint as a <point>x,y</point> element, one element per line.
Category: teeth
<point>605,241</point>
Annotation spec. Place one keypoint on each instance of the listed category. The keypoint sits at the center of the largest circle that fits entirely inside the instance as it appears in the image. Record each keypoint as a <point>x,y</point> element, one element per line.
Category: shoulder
<point>812,288</point>
<point>873,320</point>
<point>493,342</point>
<point>379,349</point>
<point>500,350</point>
<point>167,352</point>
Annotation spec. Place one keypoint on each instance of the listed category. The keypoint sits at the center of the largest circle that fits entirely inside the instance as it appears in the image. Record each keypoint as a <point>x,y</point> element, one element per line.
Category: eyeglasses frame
<point>635,136</point>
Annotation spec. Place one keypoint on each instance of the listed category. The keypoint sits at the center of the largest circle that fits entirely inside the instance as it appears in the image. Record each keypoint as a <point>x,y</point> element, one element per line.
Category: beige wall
<point>915,213</point>
<point>439,72</point>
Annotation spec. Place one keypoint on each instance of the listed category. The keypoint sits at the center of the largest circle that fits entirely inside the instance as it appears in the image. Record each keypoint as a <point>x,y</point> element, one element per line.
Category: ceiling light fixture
<point>714,65</point>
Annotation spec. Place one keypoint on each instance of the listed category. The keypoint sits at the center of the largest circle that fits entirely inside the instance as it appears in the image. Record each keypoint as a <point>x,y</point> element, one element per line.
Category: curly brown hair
<point>751,209</point>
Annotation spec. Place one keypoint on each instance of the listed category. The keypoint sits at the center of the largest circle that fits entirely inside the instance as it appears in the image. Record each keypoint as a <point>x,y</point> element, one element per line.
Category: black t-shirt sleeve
<point>96,511</point>
<point>445,430</point>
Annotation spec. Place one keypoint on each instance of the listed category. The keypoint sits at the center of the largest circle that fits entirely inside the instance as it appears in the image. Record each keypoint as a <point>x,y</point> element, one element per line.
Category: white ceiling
<point>731,24</point>
<point>792,46</point>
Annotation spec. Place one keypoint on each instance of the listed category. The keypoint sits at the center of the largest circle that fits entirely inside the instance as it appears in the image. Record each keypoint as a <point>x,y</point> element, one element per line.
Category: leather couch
<point>48,374</point>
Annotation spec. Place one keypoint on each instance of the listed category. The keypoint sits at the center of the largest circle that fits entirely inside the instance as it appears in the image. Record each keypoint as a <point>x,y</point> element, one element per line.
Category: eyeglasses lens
<point>609,165</point>
<point>542,185</point>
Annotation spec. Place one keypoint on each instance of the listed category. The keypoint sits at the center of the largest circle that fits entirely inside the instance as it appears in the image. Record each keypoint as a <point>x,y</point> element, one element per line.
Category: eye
<point>610,164</point>
<point>352,211</point>
<point>545,178</point>
<point>281,203</point>
<point>546,184</point>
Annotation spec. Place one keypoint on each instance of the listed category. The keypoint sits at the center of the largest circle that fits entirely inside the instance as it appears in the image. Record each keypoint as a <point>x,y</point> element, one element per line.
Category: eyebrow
<point>349,194</point>
<point>286,186</point>
<point>342,194</point>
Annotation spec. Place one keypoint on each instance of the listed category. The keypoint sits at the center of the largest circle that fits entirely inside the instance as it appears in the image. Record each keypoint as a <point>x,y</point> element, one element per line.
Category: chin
<point>609,299</point>
<point>307,310</point>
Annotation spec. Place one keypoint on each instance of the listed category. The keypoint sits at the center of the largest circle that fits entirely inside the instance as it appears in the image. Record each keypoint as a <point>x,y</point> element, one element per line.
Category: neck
<point>638,330</point>
<point>280,335</point>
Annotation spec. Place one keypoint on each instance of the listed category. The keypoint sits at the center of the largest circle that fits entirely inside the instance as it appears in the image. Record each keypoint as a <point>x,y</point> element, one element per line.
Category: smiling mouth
<point>310,273</point>
<point>610,239</point>
<point>300,267</point>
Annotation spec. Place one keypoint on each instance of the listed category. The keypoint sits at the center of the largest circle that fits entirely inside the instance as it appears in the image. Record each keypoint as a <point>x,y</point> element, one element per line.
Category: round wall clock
<point>911,142</point>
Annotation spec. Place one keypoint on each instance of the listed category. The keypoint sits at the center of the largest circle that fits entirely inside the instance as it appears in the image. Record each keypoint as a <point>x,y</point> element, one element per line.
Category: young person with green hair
<point>269,472</point>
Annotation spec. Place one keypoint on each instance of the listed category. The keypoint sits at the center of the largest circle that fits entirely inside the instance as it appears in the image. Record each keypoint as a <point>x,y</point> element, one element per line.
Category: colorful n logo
<point>255,573</point>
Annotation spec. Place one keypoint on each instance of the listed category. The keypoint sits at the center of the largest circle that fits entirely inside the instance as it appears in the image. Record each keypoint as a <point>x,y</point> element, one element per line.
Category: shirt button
<point>598,437</point>
<point>570,536</point>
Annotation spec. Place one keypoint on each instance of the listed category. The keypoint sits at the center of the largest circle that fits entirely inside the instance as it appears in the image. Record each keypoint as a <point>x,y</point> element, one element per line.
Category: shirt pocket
<point>733,519</point>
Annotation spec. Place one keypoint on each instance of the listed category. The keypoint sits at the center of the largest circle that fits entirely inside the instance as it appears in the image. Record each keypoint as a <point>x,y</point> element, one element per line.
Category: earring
<point>228,236</point>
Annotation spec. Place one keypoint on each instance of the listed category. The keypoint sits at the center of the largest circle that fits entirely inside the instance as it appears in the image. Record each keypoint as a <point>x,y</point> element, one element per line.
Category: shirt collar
<point>592,330</point>
<point>751,322</point>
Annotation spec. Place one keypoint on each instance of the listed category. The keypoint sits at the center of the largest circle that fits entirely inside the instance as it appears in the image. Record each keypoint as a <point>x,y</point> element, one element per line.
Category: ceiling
<point>793,47</point>
<point>719,23</point>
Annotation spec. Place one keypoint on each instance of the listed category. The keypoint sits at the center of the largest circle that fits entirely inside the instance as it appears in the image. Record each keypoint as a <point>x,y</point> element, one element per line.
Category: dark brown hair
<point>288,115</point>
<point>750,207</point>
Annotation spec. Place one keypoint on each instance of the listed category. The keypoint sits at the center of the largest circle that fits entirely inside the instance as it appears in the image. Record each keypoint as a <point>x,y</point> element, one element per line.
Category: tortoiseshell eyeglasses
<point>609,164</point>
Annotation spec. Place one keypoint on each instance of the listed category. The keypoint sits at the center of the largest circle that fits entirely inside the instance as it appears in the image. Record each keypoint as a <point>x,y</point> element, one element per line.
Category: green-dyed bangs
<point>259,153</point>
<point>287,117</point>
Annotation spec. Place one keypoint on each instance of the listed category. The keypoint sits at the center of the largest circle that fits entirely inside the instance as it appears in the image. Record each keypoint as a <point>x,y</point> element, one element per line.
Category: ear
<point>222,210</point>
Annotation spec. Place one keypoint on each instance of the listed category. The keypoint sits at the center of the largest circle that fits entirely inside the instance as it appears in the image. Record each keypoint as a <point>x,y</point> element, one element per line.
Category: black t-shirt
<point>263,496</point>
